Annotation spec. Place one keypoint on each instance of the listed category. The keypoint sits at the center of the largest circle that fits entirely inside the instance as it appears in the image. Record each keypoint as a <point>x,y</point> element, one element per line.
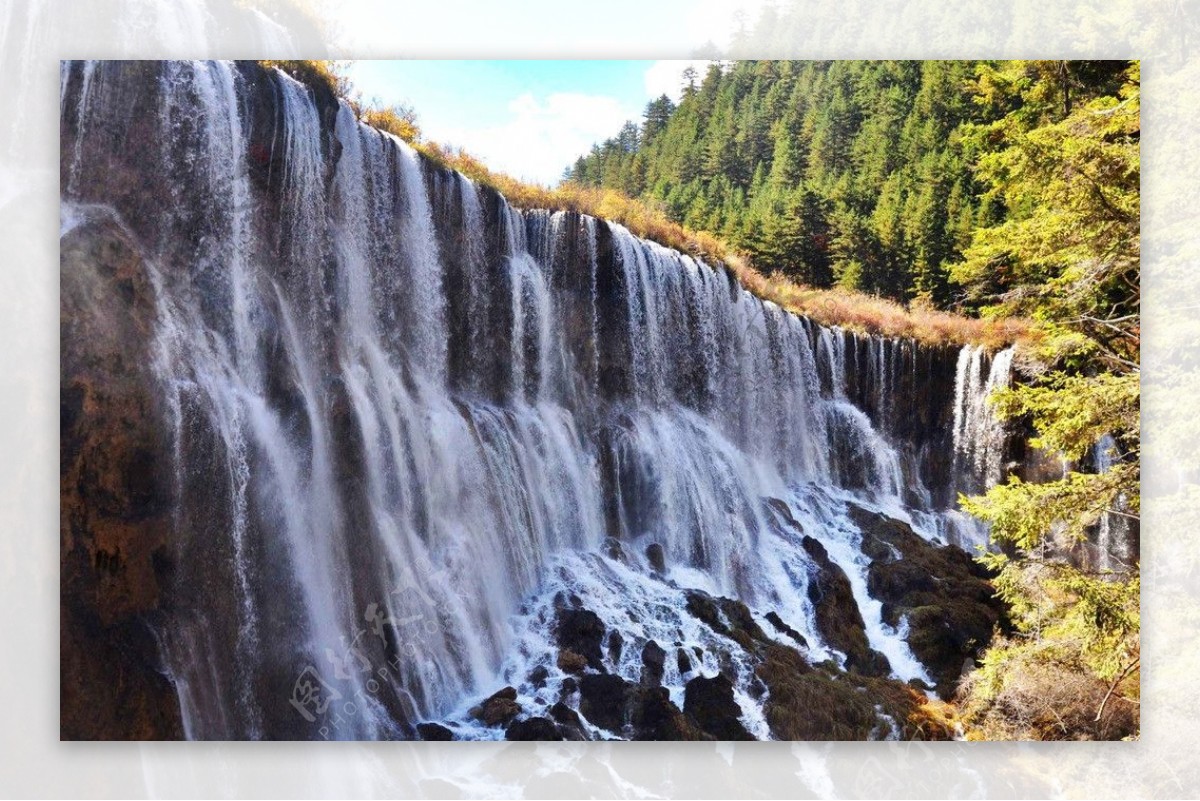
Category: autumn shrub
<point>397,120</point>
<point>1038,689</point>
<point>327,75</point>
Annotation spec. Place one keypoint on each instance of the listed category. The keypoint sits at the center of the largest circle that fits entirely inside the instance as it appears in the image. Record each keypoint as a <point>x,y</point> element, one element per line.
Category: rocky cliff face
<point>116,501</point>
<point>349,444</point>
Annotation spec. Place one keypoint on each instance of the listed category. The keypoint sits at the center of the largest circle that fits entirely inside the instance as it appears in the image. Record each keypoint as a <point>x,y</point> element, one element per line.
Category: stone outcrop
<point>581,632</point>
<point>941,592</point>
<point>602,700</point>
<point>434,732</point>
<point>115,493</point>
<point>838,617</point>
<point>498,709</point>
<point>710,703</point>
<point>653,663</point>
<point>533,729</point>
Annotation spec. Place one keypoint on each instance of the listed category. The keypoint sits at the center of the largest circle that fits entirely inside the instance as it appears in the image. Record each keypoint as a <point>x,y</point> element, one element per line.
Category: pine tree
<point>658,114</point>
<point>1067,170</point>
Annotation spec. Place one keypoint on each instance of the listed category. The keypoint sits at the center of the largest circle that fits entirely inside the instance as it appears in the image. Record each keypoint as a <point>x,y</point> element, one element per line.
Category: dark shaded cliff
<point>116,502</point>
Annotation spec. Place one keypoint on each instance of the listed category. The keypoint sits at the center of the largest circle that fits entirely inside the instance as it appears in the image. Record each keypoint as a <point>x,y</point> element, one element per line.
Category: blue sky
<point>526,118</point>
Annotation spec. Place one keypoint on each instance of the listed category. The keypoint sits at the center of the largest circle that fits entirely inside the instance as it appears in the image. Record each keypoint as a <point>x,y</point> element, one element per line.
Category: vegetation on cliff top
<point>869,175</point>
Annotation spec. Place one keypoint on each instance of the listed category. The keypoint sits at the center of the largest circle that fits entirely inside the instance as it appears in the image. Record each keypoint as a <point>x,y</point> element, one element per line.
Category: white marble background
<point>35,34</point>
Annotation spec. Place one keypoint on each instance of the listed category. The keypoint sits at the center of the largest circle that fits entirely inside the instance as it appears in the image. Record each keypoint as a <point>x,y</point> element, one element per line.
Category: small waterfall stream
<point>408,419</point>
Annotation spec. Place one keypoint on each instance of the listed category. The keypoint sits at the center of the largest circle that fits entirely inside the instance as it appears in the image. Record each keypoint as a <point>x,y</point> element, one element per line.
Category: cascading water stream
<point>1113,532</point>
<point>408,416</point>
<point>978,435</point>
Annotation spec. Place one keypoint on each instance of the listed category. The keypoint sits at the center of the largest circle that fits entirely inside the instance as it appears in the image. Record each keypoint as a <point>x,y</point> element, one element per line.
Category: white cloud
<point>542,136</point>
<point>666,77</point>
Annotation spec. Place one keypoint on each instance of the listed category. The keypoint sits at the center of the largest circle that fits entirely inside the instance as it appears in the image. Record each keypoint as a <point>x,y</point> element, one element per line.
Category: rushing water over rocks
<point>416,444</point>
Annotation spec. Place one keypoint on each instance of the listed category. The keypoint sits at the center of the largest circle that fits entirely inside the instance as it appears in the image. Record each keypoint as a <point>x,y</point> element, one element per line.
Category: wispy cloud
<point>543,135</point>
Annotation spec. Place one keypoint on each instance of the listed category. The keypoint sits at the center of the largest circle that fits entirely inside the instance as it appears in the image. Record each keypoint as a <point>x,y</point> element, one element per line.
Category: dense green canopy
<point>862,173</point>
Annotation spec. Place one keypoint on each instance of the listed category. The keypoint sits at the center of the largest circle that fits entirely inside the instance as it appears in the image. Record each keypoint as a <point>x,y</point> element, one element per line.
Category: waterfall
<point>1114,534</point>
<point>979,436</point>
<point>409,419</point>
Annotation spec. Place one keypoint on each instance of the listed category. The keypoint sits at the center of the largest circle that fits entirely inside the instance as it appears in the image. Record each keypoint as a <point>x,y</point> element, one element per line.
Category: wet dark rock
<point>569,687</point>
<point>434,732</point>
<point>657,557</point>
<point>681,659</point>
<point>538,676</point>
<point>616,644</point>
<point>571,662</point>
<point>710,704</point>
<point>704,607</point>
<point>784,513</point>
<point>572,734</point>
<point>740,618</point>
<point>921,686</point>
<point>581,631</point>
<point>115,494</point>
<point>783,628</point>
<point>498,709</point>
<point>602,700</point>
<point>654,717</point>
<point>837,615</point>
<point>613,550</point>
<point>565,715</point>
<point>626,710</point>
<point>725,616</point>
<point>569,724</point>
<point>727,664</point>
<point>942,592</point>
<point>653,663</point>
<point>533,729</point>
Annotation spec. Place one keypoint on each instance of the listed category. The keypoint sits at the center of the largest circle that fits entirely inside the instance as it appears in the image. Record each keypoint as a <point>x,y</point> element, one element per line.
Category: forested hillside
<point>995,188</point>
<point>857,173</point>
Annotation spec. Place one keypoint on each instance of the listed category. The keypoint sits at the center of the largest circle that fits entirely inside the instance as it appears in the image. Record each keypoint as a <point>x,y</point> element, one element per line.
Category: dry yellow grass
<point>876,315</point>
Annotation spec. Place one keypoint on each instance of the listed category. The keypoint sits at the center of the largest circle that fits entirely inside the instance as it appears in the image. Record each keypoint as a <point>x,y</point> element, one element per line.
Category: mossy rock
<point>807,703</point>
<point>654,717</point>
<point>581,631</point>
<point>944,595</point>
<point>837,615</point>
<point>533,729</point>
<point>709,702</point>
